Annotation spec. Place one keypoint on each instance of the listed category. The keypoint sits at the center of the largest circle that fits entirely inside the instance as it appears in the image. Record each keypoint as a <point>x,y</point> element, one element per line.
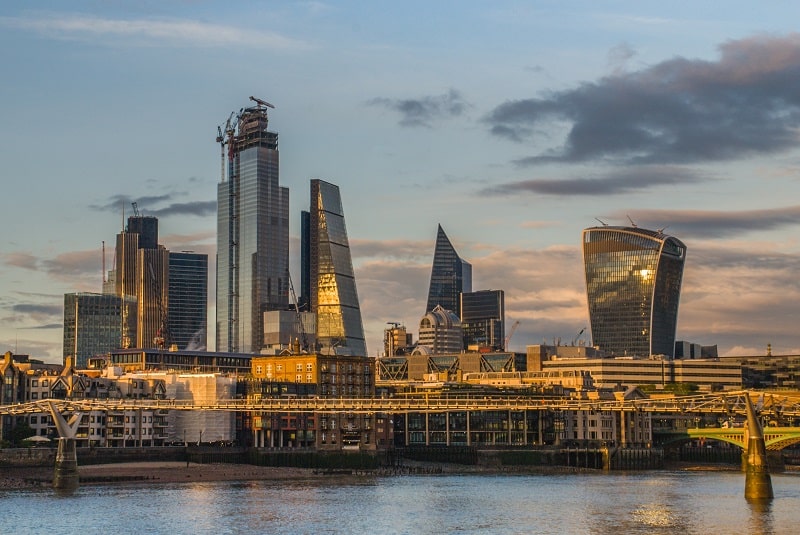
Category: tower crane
<point>510,334</point>
<point>224,136</point>
<point>575,340</point>
<point>261,102</point>
<point>304,345</point>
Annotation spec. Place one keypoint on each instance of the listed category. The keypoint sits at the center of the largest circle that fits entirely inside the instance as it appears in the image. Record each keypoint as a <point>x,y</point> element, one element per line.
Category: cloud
<point>147,206</point>
<point>20,260</point>
<point>716,224</point>
<point>677,111</point>
<point>38,310</point>
<point>620,181</point>
<point>75,265</point>
<point>424,111</point>
<point>150,32</point>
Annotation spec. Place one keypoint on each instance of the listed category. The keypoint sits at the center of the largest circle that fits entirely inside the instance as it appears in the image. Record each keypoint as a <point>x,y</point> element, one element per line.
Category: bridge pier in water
<point>65,476</point>
<point>758,484</point>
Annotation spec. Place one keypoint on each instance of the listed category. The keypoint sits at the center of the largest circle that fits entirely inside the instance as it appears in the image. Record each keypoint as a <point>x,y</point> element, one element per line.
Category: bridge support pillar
<point>66,471</point>
<point>758,484</point>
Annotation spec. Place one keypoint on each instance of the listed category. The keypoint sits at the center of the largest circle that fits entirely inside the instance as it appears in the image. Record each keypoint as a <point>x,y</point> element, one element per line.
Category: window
<point>258,370</point>
<point>279,367</point>
<point>298,367</point>
<point>309,366</point>
<point>298,378</point>
<point>309,377</point>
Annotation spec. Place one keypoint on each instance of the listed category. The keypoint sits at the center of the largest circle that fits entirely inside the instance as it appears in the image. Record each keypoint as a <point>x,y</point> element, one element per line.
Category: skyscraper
<point>332,283</point>
<point>633,285</point>
<point>93,324</point>
<point>450,276</point>
<point>141,273</point>
<point>483,318</point>
<point>252,232</point>
<point>188,299</point>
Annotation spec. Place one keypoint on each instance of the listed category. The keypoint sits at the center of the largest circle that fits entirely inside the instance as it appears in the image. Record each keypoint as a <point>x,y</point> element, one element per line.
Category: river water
<point>658,502</point>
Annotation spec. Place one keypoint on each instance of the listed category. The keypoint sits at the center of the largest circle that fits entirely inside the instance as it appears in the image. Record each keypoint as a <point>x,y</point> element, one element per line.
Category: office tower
<point>93,324</point>
<point>141,273</point>
<point>483,319</point>
<point>188,300</point>
<point>440,331</point>
<point>450,276</point>
<point>252,232</point>
<point>303,301</point>
<point>332,284</point>
<point>633,284</point>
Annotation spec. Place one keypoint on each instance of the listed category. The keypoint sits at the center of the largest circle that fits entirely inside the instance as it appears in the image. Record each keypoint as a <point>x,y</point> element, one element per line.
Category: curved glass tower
<point>633,285</point>
<point>450,276</point>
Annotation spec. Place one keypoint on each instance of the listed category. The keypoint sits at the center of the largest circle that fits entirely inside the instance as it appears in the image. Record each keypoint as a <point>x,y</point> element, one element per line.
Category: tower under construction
<point>252,230</point>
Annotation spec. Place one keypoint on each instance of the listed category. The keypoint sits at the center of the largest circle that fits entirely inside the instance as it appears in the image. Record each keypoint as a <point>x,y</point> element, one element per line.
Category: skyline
<point>513,126</point>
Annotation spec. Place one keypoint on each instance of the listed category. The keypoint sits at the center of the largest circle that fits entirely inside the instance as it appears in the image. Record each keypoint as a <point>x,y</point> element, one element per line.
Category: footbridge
<point>768,405</point>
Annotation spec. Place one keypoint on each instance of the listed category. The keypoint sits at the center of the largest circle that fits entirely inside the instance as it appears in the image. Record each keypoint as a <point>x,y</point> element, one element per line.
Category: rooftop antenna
<point>104,261</point>
<point>661,230</point>
<point>602,222</point>
<point>633,224</point>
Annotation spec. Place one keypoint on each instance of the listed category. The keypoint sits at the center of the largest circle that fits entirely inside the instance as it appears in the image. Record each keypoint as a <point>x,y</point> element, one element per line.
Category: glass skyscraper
<point>450,276</point>
<point>332,283</point>
<point>483,318</point>
<point>633,285</point>
<point>188,300</point>
<point>252,232</point>
<point>93,324</point>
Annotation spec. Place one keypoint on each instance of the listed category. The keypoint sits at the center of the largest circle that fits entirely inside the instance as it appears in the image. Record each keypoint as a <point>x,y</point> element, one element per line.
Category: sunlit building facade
<point>332,283</point>
<point>450,276</point>
<point>633,284</point>
<point>252,233</point>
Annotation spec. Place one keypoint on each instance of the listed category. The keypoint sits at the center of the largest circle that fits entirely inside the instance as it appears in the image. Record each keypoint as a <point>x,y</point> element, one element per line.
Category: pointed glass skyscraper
<point>252,232</point>
<point>450,276</point>
<point>633,284</point>
<point>332,284</point>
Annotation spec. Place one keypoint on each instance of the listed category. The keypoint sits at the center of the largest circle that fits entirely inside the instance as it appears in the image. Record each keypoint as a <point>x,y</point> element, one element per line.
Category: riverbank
<point>151,473</point>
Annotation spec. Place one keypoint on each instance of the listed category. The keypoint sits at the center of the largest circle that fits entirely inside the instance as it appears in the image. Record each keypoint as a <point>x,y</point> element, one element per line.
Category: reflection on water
<point>646,503</point>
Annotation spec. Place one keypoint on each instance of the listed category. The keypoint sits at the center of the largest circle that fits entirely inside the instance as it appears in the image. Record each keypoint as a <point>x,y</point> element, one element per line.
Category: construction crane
<point>135,209</point>
<point>261,102</point>
<point>224,136</point>
<point>575,340</point>
<point>510,334</point>
<point>304,345</point>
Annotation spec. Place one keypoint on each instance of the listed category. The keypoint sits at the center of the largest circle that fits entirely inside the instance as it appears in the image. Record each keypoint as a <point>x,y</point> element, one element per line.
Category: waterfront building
<point>152,359</point>
<point>396,339</point>
<point>420,366</point>
<point>450,276</point>
<point>440,332</point>
<point>252,232</point>
<point>633,283</point>
<point>188,300</point>
<point>483,319</point>
<point>324,376</point>
<point>93,324</point>
<point>707,374</point>
<point>332,284</point>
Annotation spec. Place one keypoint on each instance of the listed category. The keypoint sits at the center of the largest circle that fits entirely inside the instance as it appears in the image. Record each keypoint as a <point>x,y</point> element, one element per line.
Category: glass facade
<point>633,283</point>
<point>450,276</point>
<point>188,299</point>
<point>252,235</point>
<point>93,324</point>
<point>331,279</point>
<point>483,318</point>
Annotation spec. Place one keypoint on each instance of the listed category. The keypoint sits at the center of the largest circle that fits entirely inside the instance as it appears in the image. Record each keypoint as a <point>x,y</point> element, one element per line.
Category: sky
<point>514,125</point>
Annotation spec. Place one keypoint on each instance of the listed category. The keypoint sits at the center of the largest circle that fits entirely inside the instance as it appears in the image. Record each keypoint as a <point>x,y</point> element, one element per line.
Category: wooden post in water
<point>66,470</point>
<point>757,484</point>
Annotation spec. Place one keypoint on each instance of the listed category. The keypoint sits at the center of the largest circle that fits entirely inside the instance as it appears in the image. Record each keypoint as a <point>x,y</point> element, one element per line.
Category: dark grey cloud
<point>38,310</point>
<point>424,111</point>
<point>196,208</point>
<point>677,111</point>
<point>153,205</point>
<point>715,224</point>
<point>625,180</point>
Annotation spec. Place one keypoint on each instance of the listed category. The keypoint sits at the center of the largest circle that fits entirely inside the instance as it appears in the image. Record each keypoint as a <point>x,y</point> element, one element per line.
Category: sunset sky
<point>514,125</point>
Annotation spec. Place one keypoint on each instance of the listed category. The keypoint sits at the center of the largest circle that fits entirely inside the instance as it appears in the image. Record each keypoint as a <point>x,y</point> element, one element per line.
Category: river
<point>653,502</point>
